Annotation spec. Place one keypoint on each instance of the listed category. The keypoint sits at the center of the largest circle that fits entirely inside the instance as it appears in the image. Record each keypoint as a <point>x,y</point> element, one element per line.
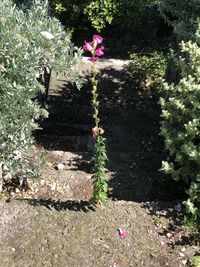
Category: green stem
<point>95,102</point>
<point>100,187</point>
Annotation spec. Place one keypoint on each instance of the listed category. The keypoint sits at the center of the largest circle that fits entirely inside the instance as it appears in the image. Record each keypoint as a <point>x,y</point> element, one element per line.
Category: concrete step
<point>66,143</point>
<point>112,130</point>
<point>64,129</point>
<point>119,121</point>
<point>121,150</point>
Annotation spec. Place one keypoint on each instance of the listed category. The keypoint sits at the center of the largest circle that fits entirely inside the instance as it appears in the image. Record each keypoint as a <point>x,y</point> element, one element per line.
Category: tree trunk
<point>44,79</point>
<point>172,73</point>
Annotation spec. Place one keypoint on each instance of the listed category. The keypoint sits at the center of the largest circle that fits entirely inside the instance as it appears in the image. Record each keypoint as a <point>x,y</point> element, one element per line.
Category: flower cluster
<point>93,48</point>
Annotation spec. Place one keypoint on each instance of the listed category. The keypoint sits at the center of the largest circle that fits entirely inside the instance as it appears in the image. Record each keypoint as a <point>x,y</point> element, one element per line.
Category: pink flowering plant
<point>99,159</point>
<point>93,48</point>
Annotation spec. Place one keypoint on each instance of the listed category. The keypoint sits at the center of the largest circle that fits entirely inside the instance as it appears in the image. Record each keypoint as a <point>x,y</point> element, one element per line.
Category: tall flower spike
<point>100,187</point>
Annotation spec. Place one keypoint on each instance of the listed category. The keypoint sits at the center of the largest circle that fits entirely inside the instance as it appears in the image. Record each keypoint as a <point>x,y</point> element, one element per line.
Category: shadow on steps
<point>130,117</point>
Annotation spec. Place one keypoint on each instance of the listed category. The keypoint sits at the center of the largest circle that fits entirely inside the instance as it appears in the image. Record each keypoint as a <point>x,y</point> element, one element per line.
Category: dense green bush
<point>181,123</point>
<point>182,15</point>
<point>124,23</point>
<point>146,69</point>
<point>98,13</point>
<point>29,41</point>
<point>101,12</point>
<point>181,108</point>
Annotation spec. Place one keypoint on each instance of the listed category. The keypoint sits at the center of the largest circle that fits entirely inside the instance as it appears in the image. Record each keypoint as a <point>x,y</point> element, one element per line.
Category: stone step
<point>66,143</point>
<point>112,130</point>
<point>63,106</point>
<point>64,129</point>
<point>121,150</point>
<point>118,121</point>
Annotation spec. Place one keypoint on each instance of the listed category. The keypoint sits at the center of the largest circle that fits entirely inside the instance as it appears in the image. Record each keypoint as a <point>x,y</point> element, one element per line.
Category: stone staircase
<point>54,225</point>
<point>130,118</point>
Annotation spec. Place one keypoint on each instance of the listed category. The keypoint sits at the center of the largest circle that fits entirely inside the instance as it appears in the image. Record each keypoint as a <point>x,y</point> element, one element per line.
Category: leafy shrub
<point>100,13</point>
<point>122,22</point>
<point>182,15</point>
<point>181,124</point>
<point>29,41</point>
<point>196,261</point>
<point>96,12</point>
<point>145,69</point>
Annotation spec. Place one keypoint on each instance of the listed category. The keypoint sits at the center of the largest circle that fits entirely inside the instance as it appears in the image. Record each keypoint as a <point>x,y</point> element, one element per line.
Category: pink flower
<point>92,48</point>
<point>97,131</point>
<point>98,39</point>
<point>93,59</point>
<point>88,46</point>
<point>99,52</point>
<point>122,233</point>
<point>94,132</point>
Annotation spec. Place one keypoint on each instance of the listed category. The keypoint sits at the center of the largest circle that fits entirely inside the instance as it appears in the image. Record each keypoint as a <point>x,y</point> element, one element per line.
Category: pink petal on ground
<point>122,233</point>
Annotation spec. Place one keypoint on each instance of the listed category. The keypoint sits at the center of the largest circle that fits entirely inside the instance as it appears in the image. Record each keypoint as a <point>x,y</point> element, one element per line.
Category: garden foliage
<point>181,122</point>
<point>147,69</point>
<point>122,22</point>
<point>29,41</point>
<point>100,13</point>
<point>182,15</point>
<point>196,261</point>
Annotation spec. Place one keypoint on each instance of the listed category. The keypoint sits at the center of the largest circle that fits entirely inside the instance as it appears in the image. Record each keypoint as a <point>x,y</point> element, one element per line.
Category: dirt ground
<point>55,233</point>
<point>52,223</point>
